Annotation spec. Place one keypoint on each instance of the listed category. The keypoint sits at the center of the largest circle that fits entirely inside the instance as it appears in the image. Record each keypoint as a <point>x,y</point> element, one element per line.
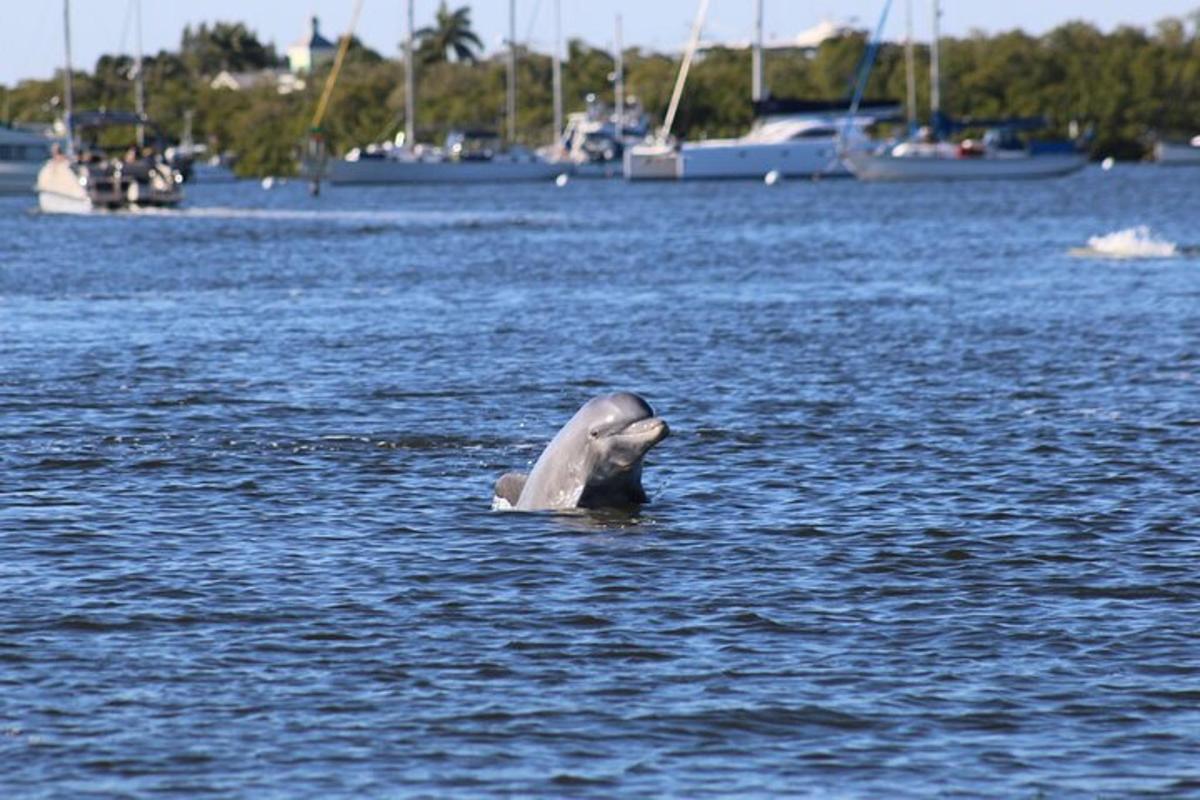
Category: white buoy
<point>771,178</point>
<point>562,180</point>
<point>268,183</point>
<point>1107,163</point>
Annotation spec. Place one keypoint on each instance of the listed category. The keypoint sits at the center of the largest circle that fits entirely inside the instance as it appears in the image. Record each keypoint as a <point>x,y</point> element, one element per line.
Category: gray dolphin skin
<point>595,461</point>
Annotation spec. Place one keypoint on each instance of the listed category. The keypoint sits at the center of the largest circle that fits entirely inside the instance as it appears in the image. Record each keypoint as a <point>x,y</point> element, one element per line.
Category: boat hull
<point>653,163</point>
<point>394,171</point>
<point>870,167</point>
<point>732,160</point>
<point>1176,155</point>
<point>18,177</point>
<point>61,190</point>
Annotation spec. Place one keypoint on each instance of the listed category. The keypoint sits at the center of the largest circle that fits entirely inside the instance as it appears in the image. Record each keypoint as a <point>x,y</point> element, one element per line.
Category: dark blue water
<point>926,524</point>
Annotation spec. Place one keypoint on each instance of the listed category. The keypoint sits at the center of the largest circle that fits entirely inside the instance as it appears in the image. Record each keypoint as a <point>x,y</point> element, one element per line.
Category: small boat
<point>95,176</point>
<point>594,141</point>
<point>22,154</point>
<point>1178,154</point>
<point>467,157</point>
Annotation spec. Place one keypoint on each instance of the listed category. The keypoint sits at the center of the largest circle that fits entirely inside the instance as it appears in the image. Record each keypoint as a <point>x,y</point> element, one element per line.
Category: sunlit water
<point>926,524</point>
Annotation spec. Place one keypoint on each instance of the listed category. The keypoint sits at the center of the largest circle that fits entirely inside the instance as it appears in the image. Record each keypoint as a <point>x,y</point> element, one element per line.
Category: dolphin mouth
<point>651,429</point>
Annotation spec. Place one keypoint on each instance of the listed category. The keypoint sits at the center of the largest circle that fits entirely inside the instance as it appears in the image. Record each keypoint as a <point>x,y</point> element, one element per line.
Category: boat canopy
<point>776,106</point>
<point>106,119</point>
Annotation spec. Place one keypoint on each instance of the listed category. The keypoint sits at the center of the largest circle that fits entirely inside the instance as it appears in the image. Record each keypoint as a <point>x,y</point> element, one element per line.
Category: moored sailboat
<point>1000,153</point>
<point>467,156</point>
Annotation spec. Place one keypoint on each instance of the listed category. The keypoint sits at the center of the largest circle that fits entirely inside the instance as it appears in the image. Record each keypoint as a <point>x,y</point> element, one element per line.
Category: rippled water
<point>926,524</point>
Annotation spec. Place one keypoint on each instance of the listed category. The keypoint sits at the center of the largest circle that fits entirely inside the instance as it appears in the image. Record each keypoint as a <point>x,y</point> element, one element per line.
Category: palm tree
<point>450,37</point>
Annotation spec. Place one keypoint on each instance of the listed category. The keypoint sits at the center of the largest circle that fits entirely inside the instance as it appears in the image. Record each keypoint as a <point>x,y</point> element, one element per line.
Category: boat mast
<point>935,73</point>
<point>756,55</point>
<point>910,68</point>
<point>139,84</point>
<point>693,42</point>
<point>557,76</point>
<point>410,82</point>
<point>68,82</point>
<point>619,86</point>
<point>512,71</point>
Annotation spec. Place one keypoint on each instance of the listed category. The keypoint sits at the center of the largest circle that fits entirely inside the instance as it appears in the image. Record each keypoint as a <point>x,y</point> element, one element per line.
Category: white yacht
<point>22,154</point>
<point>90,177</point>
<point>792,138</point>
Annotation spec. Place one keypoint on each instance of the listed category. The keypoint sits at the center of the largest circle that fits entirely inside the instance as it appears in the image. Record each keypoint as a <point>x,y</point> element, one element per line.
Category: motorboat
<point>95,175</point>
<point>594,141</point>
<point>22,154</point>
<point>466,157</point>
<point>997,155</point>
<point>1177,154</point>
<point>792,138</point>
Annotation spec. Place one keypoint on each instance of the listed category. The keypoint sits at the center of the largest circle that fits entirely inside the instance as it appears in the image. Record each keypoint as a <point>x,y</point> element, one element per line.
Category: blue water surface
<point>926,524</point>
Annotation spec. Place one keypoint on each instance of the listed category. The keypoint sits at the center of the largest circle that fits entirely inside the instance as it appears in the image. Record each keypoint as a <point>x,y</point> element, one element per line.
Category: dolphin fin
<point>508,490</point>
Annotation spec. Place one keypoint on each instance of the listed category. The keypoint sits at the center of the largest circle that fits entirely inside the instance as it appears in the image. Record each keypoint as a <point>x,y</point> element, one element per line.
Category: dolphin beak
<point>652,429</point>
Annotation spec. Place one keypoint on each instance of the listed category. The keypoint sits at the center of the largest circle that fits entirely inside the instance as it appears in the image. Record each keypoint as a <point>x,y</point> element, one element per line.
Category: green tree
<point>226,45</point>
<point>450,38</point>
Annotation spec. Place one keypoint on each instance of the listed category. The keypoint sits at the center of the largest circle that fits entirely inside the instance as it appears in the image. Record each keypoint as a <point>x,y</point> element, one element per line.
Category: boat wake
<point>1137,242</point>
<point>400,218</point>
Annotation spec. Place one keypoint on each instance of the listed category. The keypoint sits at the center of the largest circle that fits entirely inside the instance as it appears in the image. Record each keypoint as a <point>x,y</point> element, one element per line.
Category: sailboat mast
<point>139,83</point>
<point>935,71</point>
<point>512,71</point>
<point>910,68</point>
<point>756,55</point>
<point>556,75</point>
<point>619,86</point>
<point>410,83</point>
<point>685,65</point>
<point>68,82</point>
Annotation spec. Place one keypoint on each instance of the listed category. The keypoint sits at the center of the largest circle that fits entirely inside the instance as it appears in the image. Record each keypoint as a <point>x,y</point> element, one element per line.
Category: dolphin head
<point>595,460</point>
<point>620,429</point>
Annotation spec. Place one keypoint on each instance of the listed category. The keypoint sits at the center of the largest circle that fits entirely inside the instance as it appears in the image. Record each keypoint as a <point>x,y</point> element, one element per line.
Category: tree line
<point>1128,86</point>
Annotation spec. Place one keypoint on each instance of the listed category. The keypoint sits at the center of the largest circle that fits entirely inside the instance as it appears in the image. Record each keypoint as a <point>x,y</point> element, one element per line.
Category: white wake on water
<point>1135,242</point>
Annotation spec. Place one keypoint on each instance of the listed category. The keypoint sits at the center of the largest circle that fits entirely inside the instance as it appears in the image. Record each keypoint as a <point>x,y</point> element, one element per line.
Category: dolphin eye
<point>594,433</point>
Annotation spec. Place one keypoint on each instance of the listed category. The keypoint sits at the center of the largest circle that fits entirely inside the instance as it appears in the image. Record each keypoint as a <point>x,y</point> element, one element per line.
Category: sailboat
<point>657,158</point>
<point>88,177</point>
<point>468,156</point>
<point>999,154</point>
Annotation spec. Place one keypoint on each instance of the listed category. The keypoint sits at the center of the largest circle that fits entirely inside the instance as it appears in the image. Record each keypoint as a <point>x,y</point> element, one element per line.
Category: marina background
<point>1129,86</point>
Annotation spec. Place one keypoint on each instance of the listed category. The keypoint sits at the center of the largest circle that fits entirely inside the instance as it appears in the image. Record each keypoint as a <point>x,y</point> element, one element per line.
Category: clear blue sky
<point>31,30</point>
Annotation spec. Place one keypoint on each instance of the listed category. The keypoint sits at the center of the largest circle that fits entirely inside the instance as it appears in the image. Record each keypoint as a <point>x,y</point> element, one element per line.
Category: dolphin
<point>595,461</point>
